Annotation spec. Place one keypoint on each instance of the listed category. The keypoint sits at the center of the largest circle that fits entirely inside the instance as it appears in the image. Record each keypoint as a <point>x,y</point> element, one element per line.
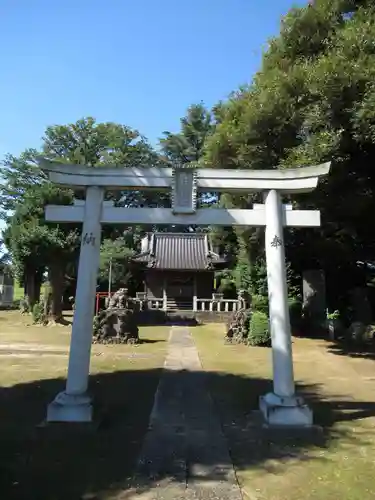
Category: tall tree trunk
<point>37,286</point>
<point>31,288</point>
<point>56,279</point>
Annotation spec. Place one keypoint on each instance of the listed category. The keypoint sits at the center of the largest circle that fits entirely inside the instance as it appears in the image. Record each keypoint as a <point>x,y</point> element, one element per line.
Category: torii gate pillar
<point>74,404</point>
<point>281,407</point>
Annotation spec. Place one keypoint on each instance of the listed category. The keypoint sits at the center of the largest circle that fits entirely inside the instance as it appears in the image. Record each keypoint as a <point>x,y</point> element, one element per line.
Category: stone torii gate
<point>282,406</point>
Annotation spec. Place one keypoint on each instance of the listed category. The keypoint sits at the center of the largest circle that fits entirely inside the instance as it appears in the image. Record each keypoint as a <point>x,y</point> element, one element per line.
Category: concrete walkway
<point>184,454</point>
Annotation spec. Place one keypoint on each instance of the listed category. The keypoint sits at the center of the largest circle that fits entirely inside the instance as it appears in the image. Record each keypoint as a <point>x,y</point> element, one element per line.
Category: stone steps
<point>179,305</point>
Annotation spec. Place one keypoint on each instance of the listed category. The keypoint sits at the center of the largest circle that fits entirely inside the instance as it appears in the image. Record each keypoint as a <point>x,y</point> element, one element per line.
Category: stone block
<point>291,413</point>
<point>70,408</point>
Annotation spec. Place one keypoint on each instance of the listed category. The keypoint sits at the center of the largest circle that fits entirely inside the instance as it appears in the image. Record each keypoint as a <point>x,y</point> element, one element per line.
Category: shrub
<point>259,303</point>
<point>295,310</point>
<point>24,306</point>
<point>96,324</point>
<point>259,332</point>
<point>38,313</point>
<point>16,304</point>
<point>360,334</point>
<point>333,315</point>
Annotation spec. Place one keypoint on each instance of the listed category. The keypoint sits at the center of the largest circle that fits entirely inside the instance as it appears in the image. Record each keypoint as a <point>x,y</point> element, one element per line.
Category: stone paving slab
<point>184,454</point>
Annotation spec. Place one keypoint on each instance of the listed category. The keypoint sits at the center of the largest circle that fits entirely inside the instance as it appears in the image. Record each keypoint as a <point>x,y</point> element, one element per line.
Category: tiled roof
<point>188,251</point>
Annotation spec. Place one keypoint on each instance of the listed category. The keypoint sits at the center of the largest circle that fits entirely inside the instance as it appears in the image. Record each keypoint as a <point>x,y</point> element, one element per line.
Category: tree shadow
<point>63,321</point>
<point>353,350</point>
<point>150,341</point>
<point>303,329</point>
<point>341,346</point>
<point>67,318</point>
<point>68,462</point>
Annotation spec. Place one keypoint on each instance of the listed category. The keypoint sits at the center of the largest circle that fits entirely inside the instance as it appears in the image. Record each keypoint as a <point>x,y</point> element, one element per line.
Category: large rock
<point>238,327</point>
<point>314,296</point>
<point>117,324</point>
<point>359,333</point>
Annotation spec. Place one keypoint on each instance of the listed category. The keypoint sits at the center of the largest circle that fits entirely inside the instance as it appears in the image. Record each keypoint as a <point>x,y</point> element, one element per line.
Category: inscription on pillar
<point>88,239</point>
<point>276,242</point>
<point>184,189</point>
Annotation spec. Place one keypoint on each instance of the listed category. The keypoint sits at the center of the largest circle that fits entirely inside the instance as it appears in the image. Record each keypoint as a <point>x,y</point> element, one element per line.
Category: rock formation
<point>117,324</point>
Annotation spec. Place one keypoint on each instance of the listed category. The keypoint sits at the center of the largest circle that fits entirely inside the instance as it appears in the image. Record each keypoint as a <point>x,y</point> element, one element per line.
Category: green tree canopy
<point>187,145</point>
<point>313,101</point>
<point>35,245</point>
<point>116,255</point>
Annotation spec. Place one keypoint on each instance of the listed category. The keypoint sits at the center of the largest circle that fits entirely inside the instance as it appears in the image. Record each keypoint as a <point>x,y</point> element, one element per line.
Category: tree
<point>19,174</point>
<point>95,144</point>
<point>117,254</point>
<point>313,101</point>
<point>36,246</point>
<point>187,145</point>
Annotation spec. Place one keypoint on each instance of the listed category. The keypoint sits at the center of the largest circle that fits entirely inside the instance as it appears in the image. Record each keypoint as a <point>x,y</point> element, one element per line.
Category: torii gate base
<point>281,407</point>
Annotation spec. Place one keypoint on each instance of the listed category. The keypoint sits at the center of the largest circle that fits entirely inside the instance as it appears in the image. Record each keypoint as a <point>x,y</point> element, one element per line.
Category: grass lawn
<point>18,291</point>
<point>53,462</point>
<point>336,464</point>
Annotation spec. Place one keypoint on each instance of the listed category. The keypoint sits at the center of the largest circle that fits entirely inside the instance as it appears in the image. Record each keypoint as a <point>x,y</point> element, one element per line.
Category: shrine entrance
<point>282,406</point>
<point>178,270</point>
<point>180,287</point>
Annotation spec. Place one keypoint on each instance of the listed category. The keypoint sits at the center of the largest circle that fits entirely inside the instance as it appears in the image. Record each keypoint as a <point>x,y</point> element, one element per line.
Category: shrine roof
<point>182,251</point>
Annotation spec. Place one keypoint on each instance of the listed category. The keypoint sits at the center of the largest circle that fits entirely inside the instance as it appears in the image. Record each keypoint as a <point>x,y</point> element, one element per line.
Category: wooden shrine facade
<point>178,269</point>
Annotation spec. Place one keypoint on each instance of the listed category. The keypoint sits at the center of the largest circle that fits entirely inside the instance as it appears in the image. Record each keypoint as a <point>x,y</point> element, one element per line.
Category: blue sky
<point>141,63</point>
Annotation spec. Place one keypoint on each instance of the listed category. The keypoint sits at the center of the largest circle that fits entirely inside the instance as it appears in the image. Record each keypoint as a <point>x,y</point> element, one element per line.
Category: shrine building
<point>178,269</point>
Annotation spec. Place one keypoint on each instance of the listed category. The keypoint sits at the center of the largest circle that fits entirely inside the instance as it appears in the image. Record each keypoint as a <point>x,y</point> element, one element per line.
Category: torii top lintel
<point>297,180</point>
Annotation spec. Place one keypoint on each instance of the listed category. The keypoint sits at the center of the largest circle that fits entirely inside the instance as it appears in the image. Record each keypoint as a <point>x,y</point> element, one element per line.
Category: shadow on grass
<point>341,346</point>
<point>346,348</point>
<point>59,462</point>
<point>310,332</point>
<point>150,341</point>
